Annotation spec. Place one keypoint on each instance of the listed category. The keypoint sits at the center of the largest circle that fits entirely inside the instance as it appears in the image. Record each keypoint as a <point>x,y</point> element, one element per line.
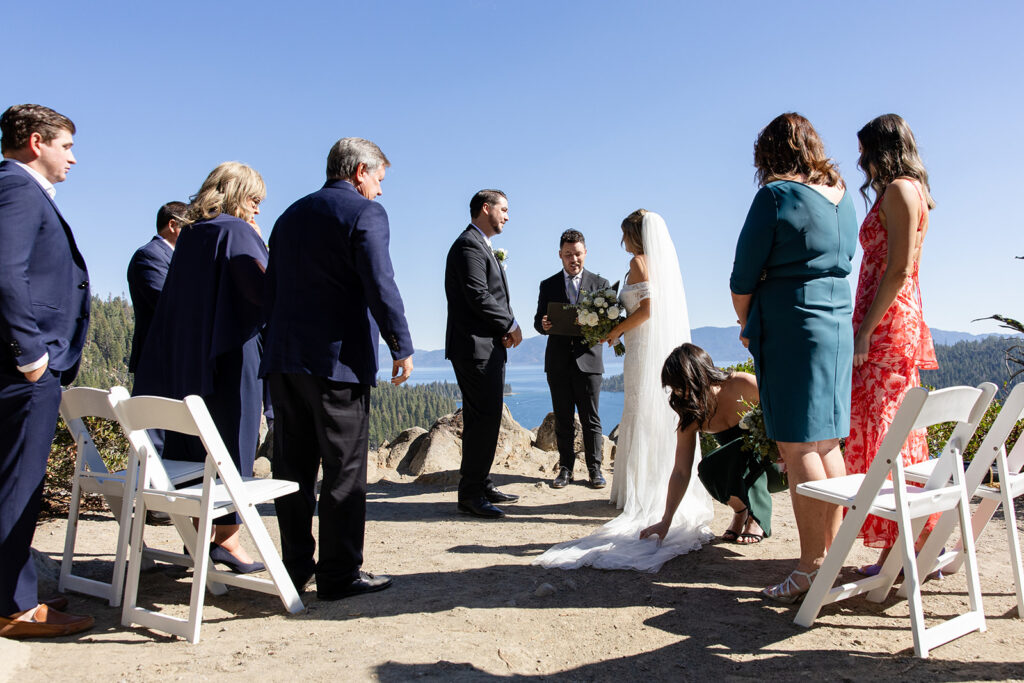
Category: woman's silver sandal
<point>789,591</point>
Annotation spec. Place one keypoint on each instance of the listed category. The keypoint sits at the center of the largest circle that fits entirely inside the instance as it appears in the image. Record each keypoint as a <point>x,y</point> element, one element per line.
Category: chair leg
<point>830,568</point>
<point>71,534</point>
<point>286,590</point>
<point>134,570</point>
<point>912,582</point>
<point>1013,539</point>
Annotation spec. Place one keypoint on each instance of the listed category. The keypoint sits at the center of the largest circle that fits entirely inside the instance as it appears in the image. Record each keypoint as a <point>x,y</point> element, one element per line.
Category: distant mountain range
<point>721,342</point>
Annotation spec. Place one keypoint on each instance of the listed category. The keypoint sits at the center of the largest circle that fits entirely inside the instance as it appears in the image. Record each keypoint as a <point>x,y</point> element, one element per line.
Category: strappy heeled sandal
<point>731,536</point>
<point>789,591</point>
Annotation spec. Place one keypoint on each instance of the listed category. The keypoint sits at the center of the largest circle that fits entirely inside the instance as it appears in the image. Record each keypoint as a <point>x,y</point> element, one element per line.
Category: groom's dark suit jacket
<point>562,352</point>
<point>479,313</point>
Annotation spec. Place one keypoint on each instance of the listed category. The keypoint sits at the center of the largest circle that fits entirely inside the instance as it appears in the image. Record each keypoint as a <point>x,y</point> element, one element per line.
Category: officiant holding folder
<point>573,369</point>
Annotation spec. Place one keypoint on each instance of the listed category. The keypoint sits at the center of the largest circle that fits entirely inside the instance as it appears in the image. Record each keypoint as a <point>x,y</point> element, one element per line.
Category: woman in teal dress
<point>794,307</point>
<point>710,400</point>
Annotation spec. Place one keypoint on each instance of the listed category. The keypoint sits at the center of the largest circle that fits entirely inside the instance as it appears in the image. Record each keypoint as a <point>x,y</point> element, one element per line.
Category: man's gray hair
<point>346,155</point>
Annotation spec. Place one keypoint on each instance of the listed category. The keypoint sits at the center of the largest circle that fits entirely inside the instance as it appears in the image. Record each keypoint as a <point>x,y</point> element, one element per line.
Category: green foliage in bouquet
<point>597,313</point>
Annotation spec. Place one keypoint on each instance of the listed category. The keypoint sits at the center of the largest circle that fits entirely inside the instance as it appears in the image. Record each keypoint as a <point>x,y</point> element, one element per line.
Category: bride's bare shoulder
<point>638,269</point>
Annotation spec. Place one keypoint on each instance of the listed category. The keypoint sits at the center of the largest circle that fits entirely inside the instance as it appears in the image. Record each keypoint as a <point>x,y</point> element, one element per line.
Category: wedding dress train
<point>645,453</point>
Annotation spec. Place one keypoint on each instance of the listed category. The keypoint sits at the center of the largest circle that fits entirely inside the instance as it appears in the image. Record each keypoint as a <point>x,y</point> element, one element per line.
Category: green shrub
<point>110,441</point>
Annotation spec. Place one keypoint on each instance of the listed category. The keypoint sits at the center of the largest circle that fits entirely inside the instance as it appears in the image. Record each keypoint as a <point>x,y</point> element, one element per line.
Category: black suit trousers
<point>317,420</point>
<point>482,385</point>
<point>574,391</point>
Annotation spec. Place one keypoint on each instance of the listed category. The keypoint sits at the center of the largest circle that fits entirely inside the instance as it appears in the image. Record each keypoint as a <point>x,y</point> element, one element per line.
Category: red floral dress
<point>900,346</point>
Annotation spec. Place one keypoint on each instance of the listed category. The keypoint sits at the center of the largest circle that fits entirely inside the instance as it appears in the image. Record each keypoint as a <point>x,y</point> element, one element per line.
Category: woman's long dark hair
<point>890,152</point>
<point>690,371</point>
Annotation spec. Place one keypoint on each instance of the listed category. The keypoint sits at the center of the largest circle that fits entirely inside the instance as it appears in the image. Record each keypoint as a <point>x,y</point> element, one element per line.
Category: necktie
<point>572,290</point>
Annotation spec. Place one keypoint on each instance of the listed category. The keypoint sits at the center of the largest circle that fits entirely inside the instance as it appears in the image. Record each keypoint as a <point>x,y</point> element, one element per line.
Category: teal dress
<point>731,471</point>
<point>793,256</point>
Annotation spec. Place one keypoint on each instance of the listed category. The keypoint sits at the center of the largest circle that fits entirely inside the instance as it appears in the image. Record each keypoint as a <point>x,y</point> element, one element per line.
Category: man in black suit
<point>331,295</point>
<point>44,315</point>
<point>574,370</point>
<point>147,271</point>
<point>480,328</point>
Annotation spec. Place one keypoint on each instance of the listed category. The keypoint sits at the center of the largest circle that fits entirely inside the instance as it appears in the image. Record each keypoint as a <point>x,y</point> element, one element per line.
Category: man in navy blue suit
<point>147,271</point>
<point>44,314</point>
<point>331,295</point>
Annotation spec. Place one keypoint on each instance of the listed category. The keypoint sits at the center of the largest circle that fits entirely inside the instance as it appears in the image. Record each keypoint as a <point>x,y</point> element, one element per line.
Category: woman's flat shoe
<point>789,591</point>
<point>220,555</point>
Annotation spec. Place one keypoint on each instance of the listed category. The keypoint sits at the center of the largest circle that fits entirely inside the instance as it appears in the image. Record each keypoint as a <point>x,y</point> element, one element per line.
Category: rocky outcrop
<point>546,440</point>
<point>395,452</point>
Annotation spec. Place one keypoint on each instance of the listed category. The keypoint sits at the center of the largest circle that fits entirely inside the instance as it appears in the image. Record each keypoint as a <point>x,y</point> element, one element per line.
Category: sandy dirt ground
<point>465,606</point>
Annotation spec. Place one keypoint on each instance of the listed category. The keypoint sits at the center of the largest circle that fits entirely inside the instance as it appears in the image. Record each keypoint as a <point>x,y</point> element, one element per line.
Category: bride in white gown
<point>657,322</point>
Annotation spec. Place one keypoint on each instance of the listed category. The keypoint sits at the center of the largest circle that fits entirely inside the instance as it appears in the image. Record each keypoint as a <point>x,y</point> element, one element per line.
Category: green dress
<point>793,256</point>
<point>731,471</point>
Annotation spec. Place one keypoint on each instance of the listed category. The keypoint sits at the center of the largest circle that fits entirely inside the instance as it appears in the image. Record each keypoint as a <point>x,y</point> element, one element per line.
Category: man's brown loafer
<point>59,602</point>
<point>42,622</point>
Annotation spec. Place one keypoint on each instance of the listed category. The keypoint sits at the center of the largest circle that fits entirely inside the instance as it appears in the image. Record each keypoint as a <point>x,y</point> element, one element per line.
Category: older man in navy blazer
<point>44,314</point>
<point>147,271</point>
<point>330,292</point>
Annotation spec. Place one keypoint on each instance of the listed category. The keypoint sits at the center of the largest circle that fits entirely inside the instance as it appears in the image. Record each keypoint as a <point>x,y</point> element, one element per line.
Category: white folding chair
<point>92,476</point>
<point>908,506</point>
<point>1011,485</point>
<point>222,491</point>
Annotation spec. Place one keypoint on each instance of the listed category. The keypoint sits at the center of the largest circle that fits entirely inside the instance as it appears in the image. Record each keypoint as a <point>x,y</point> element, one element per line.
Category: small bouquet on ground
<point>756,442</point>
<point>597,313</point>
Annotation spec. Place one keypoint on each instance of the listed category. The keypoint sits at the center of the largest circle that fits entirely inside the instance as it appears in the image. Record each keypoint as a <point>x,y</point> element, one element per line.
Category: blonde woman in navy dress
<point>794,307</point>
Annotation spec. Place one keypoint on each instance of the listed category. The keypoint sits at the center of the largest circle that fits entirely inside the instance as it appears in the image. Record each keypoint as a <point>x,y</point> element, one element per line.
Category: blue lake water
<point>530,400</point>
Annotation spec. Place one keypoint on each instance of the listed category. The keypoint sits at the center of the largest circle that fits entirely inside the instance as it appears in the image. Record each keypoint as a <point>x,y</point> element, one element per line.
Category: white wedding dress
<point>645,454</point>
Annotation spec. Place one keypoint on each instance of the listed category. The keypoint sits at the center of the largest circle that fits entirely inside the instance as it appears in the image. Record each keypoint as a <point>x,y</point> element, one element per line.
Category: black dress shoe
<point>158,518</point>
<point>597,480</point>
<point>366,583</point>
<point>480,507</point>
<point>493,495</point>
<point>220,555</point>
<point>563,478</point>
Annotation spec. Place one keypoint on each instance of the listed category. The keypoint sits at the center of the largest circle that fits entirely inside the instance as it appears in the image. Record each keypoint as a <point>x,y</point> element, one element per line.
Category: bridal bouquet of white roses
<point>597,313</point>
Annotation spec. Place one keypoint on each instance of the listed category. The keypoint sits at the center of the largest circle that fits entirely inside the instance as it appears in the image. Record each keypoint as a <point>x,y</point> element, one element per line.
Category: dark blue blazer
<point>331,289</point>
<point>44,285</point>
<point>211,304</point>
<point>479,313</point>
<point>146,274</point>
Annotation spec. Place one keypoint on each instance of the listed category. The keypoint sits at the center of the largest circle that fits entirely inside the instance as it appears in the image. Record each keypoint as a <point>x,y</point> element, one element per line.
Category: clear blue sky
<point>580,111</point>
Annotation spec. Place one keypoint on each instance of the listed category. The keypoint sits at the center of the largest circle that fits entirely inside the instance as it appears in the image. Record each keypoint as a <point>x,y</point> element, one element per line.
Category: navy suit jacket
<point>146,274</point>
<point>564,353</point>
<point>479,312</point>
<point>44,285</point>
<point>331,292</point>
<point>211,304</point>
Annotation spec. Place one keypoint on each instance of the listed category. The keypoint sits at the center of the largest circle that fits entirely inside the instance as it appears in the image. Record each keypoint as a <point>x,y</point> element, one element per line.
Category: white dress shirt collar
<point>38,177</point>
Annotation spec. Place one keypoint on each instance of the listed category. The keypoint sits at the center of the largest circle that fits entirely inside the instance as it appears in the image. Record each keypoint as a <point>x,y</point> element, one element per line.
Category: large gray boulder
<point>546,440</point>
<point>399,448</point>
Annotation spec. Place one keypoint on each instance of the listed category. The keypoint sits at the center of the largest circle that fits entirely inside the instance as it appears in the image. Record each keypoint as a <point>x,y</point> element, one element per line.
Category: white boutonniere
<point>501,255</point>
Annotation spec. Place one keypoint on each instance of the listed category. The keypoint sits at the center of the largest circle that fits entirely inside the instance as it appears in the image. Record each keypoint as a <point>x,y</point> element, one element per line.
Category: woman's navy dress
<point>793,256</point>
<point>204,338</point>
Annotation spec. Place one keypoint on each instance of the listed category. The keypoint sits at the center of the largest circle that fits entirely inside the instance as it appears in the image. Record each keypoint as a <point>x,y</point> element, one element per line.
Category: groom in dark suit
<point>574,369</point>
<point>44,315</point>
<point>480,328</point>
<point>330,289</point>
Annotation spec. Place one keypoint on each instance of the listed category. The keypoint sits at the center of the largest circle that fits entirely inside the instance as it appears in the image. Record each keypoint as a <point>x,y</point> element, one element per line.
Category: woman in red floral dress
<point>891,342</point>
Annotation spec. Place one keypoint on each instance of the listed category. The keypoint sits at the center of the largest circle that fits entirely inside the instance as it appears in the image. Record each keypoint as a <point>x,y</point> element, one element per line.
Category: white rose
<point>599,301</point>
<point>613,313</point>
<point>594,319</point>
<point>609,292</point>
<point>745,422</point>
